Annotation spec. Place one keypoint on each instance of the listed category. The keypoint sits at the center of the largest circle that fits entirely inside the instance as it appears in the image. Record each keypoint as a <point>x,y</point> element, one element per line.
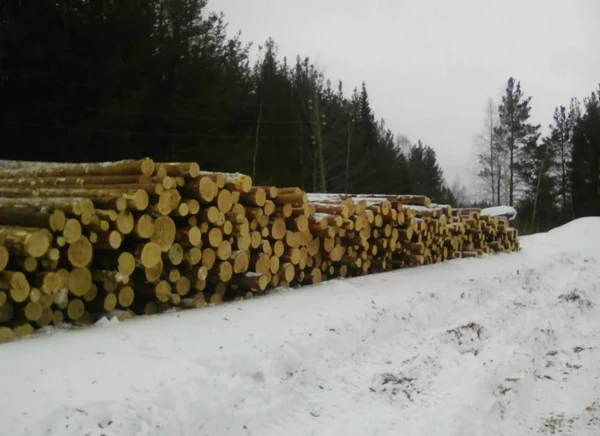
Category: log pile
<point>82,241</point>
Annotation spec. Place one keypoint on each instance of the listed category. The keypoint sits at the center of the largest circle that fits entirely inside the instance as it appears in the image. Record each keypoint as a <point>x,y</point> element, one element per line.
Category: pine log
<point>253,281</point>
<point>232,181</point>
<point>209,257</point>
<point>79,282</point>
<point>189,236</point>
<point>144,226</point>
<point>20,169</point>
<point>256,197</point>
<point>16,283</point>
<point>224,250</point>
<point>183,286</point>
<point>164,233</point>
<point>176,254</point>
<point>25,241</point>
<point>202,188</point>
<point>69,205</point>
<point>178,169</point>
<point>136,199</point>
<point>154,273</point>
<point>4,257</point>
<point>193,256</point>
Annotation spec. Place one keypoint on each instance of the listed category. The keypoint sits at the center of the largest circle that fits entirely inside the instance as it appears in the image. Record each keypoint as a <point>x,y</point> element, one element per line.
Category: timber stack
<point>80,241</point>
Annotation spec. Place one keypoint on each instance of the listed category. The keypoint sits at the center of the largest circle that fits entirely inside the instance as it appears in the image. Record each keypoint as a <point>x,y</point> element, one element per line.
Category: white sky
<point>430,65</point>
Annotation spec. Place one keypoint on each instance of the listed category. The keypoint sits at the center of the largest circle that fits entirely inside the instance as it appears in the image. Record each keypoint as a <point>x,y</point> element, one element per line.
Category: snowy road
<point>505,345</point>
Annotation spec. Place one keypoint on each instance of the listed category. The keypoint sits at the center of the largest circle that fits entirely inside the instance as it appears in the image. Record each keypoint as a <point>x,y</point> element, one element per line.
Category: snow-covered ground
<point>504,345</point>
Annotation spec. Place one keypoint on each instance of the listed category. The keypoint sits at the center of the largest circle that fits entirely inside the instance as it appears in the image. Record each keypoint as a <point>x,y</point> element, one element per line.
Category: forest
<point>115,79</point>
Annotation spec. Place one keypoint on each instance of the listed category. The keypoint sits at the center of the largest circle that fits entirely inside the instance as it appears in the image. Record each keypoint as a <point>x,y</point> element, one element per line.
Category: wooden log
<point>4,257</point>
<point>79,181</point>
<point>25,241</point>
<point>32,217</point>
<point>224,250</point>
<point>278,229</point>
<point>202,188</point>
<point>69,205</point>
<point>136,199</point>
<point>17,285</point>
<point>260,263</point>
<point>164,233</point>
<point>231,181</point>
<point>209,257</point>
<point>149,254</point>
<point>79,281</point>
<point>6,335</point>
<point>222,272</point>
<point>20,169</point>
<point>183,286</point>
<point>418,200</point>
<point>80,252</point>
<point>253,281</point>
<point>224,201</point>
<point>256,197</point>
<point>193,256</point>
<point>154,273</point>
<point>125,297</point>
<point>189,236</point>
<point>144,226</point>
<point>178,169</point>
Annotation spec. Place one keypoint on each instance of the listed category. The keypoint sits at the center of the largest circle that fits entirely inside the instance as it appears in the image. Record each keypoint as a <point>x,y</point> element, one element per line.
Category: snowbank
<point>506,344</point>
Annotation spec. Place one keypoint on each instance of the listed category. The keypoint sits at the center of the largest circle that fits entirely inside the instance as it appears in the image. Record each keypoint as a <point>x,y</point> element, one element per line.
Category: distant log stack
<point>82,241</point>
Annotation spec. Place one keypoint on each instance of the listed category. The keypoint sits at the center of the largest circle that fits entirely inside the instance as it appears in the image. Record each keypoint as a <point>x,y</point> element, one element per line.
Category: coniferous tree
<point>425,174</point>
<point>585,169</point>
<point>514,131</point>
<point>560,142</point>
<point>124,79</point>
<point>537,207</point>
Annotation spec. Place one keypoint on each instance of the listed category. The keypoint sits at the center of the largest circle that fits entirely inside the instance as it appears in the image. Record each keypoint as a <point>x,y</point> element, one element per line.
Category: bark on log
<point>25,241</point>
<point>20,169</point>
<point>69,205</point>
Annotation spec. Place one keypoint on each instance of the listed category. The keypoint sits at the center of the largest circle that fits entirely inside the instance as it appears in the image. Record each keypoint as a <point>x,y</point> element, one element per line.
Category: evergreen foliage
<point>93,81</point>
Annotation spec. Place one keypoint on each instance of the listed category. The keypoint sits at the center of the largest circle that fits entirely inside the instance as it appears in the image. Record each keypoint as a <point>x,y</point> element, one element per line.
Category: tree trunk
<point>256,143</point>
<point>348,157</point>
<point>498,202</point>
<point>511,171</point>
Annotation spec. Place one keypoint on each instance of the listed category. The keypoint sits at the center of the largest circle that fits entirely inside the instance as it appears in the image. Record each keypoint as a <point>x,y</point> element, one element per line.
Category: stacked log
<point>82,241</point>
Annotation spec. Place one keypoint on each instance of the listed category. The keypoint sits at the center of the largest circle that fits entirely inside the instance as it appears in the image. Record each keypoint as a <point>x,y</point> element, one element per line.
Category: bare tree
<point>459,192</point>
<point>403,144</point>
<point>490,158</point>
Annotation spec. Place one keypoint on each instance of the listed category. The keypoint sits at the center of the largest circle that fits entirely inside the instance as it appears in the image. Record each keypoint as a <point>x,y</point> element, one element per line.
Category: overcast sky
<point>430,65</point>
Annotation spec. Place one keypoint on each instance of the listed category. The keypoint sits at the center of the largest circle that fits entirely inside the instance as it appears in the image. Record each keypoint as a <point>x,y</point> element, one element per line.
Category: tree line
<point>93,81</point>
<point>550,180</point>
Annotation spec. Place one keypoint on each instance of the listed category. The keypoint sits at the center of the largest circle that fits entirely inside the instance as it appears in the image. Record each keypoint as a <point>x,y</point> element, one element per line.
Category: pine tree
<point>514,131</point>
<point>537,206</point>
<point>560,141</point>
<point>425,175</point>
<point>585,167</point>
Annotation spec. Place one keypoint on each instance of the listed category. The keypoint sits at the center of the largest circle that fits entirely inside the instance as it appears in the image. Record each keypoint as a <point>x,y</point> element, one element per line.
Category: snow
<point>507,211</point>
<point>502,345</point>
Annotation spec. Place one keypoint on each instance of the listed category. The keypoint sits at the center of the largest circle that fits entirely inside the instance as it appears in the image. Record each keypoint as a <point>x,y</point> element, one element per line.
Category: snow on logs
<point>86,240</point>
